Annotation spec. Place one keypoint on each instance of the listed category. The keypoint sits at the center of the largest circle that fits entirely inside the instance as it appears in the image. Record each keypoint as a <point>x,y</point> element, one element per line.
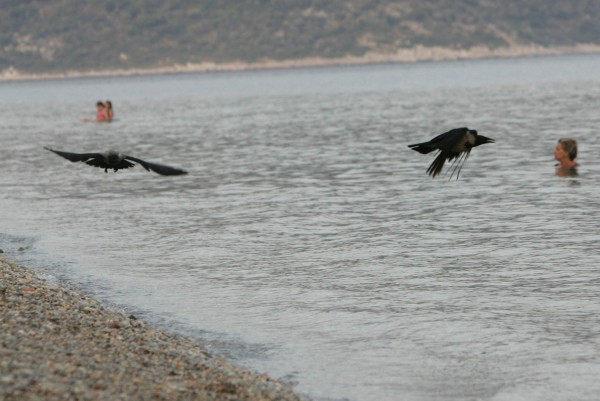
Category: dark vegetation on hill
<point>47,36</point>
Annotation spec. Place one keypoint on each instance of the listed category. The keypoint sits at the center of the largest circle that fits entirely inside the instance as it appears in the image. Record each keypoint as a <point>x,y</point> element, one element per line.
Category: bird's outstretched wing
<point>438,163</point>
<point>157,168</point>
<point>76,157</point>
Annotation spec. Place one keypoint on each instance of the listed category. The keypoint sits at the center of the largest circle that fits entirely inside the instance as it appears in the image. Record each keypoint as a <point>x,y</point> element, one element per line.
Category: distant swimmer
<point>454,145</point>
<point>565,153</point>
<point>102,115</point>
<point>116,161</point>
<point>110,113</point>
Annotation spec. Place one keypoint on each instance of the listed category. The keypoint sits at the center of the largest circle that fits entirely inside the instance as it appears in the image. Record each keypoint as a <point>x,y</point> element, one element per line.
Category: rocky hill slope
<point>41,36</point>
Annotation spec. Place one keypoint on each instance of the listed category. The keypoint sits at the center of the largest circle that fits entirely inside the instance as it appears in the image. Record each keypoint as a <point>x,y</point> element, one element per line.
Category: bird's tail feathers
<point>422,148</point>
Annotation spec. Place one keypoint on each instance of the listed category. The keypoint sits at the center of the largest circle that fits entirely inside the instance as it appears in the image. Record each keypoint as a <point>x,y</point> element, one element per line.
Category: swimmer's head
<point>570,147</point>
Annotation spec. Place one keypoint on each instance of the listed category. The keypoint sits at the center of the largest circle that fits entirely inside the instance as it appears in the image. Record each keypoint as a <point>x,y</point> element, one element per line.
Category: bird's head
<point>113,157</point>
<point>480,139</point>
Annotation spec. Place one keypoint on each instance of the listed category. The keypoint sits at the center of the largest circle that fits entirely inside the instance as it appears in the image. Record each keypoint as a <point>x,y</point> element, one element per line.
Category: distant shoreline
<point>412,55</point>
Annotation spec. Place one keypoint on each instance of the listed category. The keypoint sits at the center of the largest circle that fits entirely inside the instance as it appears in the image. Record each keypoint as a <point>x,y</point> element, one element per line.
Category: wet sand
<point>57,343</point>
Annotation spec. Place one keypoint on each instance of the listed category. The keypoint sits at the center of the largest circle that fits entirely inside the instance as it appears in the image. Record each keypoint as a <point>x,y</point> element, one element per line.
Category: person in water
<point>565,153</point>
<point>101,115</point>
<point>109,111</point>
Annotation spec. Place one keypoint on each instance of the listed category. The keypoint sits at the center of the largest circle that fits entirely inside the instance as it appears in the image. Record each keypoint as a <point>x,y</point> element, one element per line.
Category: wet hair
<point>99,103</point>
<point>570,146</point>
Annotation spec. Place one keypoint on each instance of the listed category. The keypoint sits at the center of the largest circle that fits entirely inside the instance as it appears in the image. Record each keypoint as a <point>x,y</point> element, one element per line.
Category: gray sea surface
<point>307,240</point>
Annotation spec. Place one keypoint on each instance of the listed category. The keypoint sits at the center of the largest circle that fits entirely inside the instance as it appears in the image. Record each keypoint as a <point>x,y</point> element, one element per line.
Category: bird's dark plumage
<point>116,161</point>
<point>455,144</point>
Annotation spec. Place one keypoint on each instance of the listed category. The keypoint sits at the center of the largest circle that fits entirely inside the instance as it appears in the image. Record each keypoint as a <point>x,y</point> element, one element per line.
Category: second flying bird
<point>455,144</point>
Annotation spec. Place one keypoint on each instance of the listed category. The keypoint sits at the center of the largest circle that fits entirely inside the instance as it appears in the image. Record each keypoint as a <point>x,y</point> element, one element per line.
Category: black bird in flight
<point>455,144</point>
<point>116,161</point>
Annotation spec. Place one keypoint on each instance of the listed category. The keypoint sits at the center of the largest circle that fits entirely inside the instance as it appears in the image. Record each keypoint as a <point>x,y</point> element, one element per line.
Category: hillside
<point>53,36</point>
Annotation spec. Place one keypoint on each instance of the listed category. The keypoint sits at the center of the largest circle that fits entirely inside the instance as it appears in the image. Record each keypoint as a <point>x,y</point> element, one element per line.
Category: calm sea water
<point>307,240</point>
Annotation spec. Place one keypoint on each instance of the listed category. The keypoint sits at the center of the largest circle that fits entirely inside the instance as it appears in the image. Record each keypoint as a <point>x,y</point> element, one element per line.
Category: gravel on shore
<point>57,343</point>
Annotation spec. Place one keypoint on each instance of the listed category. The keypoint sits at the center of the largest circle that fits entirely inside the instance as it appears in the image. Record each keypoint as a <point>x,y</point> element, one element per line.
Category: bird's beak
<point>482,140</point>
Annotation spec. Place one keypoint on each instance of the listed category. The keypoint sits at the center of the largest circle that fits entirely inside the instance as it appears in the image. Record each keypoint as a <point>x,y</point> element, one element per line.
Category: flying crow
<point>454,145</point>
<point>116,161</point>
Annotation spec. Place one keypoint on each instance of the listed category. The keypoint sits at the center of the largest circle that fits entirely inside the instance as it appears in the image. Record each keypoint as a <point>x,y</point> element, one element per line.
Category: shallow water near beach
<point>308,241</point>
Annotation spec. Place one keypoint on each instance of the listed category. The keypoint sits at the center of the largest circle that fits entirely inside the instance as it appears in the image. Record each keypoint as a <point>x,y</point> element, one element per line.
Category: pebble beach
<point>57,343</point>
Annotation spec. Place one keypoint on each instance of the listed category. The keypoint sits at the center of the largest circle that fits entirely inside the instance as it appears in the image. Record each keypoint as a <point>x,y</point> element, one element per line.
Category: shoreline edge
<point>401,56</point>
<point>57,343</point>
